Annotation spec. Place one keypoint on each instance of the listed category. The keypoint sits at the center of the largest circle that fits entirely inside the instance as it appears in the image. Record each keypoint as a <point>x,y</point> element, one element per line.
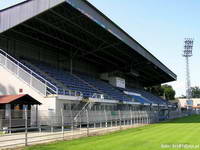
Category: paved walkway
<point>19,139</point>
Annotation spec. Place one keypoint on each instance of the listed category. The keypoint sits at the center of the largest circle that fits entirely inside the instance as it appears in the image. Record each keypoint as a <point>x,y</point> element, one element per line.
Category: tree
<point>156,90</point>
<point>166,91</point>
<point>169,92</point>
<point>195,92</point>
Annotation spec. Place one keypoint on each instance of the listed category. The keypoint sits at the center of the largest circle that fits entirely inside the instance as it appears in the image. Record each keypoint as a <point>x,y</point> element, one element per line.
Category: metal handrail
<point>31,72</point>
<point>77,93</point>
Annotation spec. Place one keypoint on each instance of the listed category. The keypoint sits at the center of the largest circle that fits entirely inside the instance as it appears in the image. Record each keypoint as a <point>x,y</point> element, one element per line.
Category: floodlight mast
<point>188,47</point>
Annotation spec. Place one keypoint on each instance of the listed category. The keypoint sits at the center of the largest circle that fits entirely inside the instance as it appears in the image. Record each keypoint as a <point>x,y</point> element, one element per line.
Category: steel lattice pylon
<point>188,47</point>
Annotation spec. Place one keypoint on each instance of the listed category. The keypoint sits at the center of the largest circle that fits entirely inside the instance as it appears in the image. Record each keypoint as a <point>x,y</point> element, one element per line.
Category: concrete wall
<point>182,102</point>
<point>10,84</point>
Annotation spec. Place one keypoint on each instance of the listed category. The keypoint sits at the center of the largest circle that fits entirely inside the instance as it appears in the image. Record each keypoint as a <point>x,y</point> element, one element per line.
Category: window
<point>189,102</point>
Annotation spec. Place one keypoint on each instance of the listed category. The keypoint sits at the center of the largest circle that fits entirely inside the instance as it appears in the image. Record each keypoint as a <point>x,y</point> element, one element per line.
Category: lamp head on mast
<point>187,52</point>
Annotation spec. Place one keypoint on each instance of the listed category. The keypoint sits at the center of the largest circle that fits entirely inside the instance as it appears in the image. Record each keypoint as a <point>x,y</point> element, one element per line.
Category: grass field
<point>163,136</point>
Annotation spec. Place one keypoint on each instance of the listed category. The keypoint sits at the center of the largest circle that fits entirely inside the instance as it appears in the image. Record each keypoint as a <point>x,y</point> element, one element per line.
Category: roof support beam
<point>38,40</point>
<point>78,26</point>
<point>99,49</point>
<point>63,31</point>
<point>71,45</point>
<point>53,37</point>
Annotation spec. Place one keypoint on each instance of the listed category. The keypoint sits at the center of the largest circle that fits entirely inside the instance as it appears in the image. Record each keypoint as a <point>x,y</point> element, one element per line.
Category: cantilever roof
<point>18,14</point>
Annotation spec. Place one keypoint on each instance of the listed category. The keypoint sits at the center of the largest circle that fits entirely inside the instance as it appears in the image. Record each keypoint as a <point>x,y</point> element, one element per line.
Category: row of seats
<point>89,86</point>
<point>141,99</point>
<point>66,79</point>
<point>105,87</point>
<point>148,96</point>
<point>41,75</point>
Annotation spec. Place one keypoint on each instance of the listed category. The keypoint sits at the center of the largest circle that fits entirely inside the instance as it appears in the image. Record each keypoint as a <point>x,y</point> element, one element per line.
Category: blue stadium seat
<point>105,87</point>
<point>89,85</point>
<point>150,97</point>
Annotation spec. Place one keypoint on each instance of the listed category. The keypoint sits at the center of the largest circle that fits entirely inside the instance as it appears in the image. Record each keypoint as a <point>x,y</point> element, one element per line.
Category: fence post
<point>62,121</point>
<point>93,117</point>
<point>116,118</point>
<point>140,114</point>
<point>136,117</point>
<point>101,119</point>
<point>149,117</point>
<point>106,118</point>
<point>111,118</point>
<point>37,120</point>
<point>131,117</point>
<point>52,124</point>
<point>120,124</point>
<point>124,117</point>
<point>87,115</point>
<point>133,112</point>
<point>72,123</point>
<point>10,120</point>
<point>26,126</point>
<point>80,122</point>
<point>142,117</point>
<point>40,129</point>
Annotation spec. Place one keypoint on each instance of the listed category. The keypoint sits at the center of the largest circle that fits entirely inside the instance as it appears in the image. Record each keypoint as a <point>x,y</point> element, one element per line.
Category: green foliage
<point>195,92</point>
<point>178,131</point>
<point>156,90</point>
<point>165,91</point>
<point>169,92</point>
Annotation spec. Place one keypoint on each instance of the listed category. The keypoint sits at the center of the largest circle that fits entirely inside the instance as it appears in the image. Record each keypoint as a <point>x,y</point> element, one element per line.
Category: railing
<point>27,75</point>
<point>94,95</point>
<point>25,127</point>
<point>71,92</point>
<point>61,91</point>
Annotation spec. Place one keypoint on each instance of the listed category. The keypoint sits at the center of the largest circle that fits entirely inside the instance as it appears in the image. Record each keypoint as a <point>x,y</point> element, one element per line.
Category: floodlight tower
<point>188,47</point>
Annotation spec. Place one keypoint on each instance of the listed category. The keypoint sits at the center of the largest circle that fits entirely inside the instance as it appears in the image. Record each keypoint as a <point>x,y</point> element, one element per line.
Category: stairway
<point>27,75</point>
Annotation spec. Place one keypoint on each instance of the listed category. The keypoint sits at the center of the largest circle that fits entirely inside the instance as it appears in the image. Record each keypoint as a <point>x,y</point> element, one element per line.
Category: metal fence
<point>28,127</point>
<point>27,75</point>
<point>33,127</point>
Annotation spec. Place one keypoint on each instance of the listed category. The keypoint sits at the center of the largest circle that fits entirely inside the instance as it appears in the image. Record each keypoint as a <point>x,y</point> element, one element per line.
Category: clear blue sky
<point>160,26</point>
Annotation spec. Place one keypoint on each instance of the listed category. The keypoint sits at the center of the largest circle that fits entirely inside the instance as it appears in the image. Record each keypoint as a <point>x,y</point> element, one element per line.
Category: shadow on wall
<point>3,90</point>
<point>11,90</point>
<point>7,91</point>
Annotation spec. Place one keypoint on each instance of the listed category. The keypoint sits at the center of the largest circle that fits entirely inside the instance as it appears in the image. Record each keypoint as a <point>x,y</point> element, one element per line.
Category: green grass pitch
<point>183,133</point>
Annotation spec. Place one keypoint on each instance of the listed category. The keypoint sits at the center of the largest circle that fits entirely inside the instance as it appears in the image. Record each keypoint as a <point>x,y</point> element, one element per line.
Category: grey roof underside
<point>20,13</point>
<point>15,15</point>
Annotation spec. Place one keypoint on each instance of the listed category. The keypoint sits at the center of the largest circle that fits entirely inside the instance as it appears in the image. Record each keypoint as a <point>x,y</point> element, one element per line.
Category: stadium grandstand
<point>68,55</point>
